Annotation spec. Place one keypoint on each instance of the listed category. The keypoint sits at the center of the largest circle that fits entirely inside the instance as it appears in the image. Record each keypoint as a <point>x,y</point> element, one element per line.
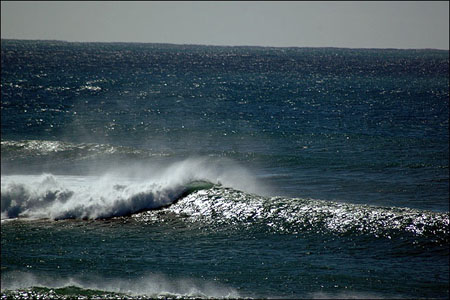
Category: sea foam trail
<point>114,194</point>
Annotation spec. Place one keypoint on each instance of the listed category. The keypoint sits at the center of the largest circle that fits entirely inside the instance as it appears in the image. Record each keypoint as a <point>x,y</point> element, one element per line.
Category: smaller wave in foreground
<point>152,285</point>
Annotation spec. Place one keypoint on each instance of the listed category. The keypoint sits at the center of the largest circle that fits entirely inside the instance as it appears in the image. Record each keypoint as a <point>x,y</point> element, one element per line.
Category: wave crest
<point>48,198</point>
<point>121,192</point>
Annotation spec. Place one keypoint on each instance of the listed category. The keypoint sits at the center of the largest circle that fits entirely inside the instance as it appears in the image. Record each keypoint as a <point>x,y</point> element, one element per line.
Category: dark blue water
<point>183,170</point>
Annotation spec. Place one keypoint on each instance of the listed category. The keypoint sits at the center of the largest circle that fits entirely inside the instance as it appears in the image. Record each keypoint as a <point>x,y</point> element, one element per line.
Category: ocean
<point>134,171</point>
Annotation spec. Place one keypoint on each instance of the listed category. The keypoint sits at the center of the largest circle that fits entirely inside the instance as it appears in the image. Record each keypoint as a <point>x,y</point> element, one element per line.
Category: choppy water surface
<point>152,170</point>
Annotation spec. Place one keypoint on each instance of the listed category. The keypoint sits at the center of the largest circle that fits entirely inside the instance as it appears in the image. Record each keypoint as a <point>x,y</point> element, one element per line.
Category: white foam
<point>120,192</point>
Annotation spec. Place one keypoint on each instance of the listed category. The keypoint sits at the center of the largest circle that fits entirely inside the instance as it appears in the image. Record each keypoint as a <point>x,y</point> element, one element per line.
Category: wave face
<point>220,206</point>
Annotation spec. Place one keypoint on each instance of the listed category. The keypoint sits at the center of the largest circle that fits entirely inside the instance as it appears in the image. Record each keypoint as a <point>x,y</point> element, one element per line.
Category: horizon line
<point>215,45</point>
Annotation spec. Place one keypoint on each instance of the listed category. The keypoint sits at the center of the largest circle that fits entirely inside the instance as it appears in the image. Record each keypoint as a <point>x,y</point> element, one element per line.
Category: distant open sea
<point>181,171</point>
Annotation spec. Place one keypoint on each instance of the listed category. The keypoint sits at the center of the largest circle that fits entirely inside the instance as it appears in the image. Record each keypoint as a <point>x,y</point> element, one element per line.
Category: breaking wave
<point>198,199</point>
<point>197,190</point>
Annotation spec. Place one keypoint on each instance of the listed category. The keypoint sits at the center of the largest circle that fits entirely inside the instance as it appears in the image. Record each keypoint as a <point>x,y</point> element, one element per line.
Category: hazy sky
<point>303,24</point>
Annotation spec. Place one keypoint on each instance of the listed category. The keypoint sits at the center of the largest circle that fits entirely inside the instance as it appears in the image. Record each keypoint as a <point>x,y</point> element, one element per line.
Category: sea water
<point>154,170</point>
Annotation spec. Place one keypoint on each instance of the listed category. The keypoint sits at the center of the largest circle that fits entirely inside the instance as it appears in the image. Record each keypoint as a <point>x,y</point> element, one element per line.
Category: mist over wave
<point>122,191</point>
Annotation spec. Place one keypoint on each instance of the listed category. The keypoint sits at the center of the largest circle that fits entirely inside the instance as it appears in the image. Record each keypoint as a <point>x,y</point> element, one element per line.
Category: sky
<point>354,24</point>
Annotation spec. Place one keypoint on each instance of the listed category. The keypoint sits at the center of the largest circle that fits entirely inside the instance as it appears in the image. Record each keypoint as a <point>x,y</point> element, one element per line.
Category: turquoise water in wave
<point>156,170</point>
